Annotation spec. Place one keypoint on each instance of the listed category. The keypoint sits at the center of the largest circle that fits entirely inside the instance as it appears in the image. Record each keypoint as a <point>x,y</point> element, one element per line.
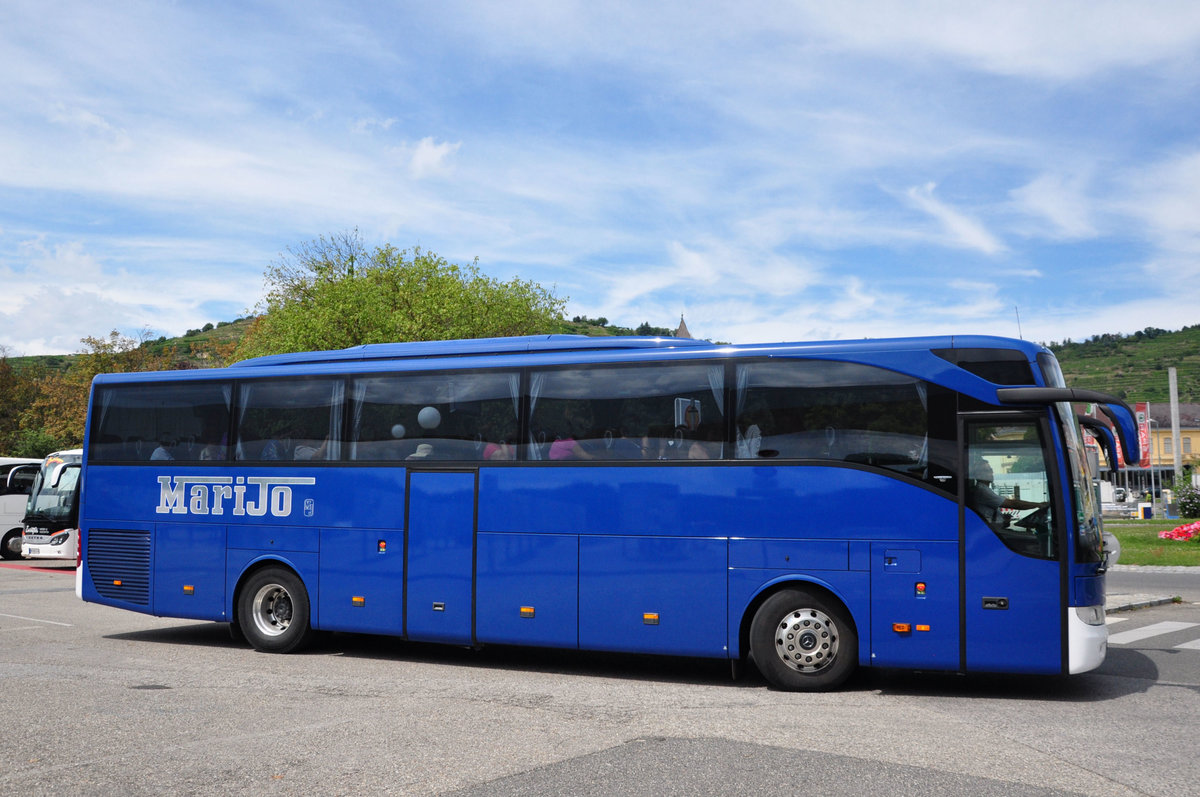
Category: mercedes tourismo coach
<point>916,503</point>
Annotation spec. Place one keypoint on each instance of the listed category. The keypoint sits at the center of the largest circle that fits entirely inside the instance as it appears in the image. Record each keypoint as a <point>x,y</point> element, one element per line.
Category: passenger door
<point>1013,546</point>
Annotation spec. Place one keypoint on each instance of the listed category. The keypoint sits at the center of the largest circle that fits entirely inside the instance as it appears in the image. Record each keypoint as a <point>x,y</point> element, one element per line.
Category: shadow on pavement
<point>1125,672</point>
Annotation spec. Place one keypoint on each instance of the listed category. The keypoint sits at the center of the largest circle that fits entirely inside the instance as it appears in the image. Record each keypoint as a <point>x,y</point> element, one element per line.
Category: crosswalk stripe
<point>1193,645</point>
<point>1138,634</point>
<point>1114,620</point>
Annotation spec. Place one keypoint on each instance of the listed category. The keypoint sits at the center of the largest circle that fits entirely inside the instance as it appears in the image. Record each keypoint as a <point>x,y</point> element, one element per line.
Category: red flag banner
<point>1142,410</point>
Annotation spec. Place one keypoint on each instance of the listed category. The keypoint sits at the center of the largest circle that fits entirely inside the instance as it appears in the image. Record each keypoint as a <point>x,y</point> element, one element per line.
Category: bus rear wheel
<point>803,642</point>
<point>273,611</point>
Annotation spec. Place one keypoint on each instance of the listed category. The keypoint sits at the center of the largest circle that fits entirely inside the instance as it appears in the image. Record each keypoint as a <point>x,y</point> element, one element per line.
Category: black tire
<point>803,642</point>
<point>273,611</point>
<point>10,546</point>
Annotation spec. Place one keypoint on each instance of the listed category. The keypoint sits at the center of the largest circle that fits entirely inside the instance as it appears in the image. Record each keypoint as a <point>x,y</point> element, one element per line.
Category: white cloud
<point>959,229</point>
<point>430,158</point>
<point>1064,202</point>
<point>370,124</point>
<point>1063,40</point>
<point>1165,197</point>
<point>729,162</point>
<point>73,292</point>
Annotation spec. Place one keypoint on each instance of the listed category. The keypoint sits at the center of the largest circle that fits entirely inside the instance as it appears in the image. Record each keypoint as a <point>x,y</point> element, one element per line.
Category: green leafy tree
<point>333,293</point>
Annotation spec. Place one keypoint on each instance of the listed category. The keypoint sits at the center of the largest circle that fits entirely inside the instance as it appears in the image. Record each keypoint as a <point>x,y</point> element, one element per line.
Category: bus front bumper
<point>1087,638</point>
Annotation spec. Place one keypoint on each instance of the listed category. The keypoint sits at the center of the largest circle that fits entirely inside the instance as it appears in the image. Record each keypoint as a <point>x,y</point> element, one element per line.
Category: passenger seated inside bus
<point>294,446</point>
<point>162,452</point>
<point>705,443</point>
<point>566,445</point>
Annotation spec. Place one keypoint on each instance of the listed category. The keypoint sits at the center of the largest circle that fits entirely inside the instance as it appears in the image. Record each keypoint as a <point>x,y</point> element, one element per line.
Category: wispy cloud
<point>959,229</point>
<point>769,170</point>
<point>1062,203</point>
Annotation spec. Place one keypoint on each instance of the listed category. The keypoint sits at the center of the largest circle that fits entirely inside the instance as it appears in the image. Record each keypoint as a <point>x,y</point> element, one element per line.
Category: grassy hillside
<point>1135,366</point>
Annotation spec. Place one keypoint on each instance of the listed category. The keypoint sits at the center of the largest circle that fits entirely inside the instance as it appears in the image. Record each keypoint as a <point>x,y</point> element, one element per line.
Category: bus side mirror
<point>1104,437</point>
<point>59,470</point>
<point>20,478</point>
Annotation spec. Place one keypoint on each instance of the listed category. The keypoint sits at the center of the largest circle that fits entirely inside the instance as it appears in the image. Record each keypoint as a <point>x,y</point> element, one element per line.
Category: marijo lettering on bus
<point>208,495</point>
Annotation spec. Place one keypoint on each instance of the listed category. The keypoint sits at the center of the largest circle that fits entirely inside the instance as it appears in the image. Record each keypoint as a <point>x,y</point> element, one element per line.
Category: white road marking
<point>1138,634</point>
<point>35,620</point>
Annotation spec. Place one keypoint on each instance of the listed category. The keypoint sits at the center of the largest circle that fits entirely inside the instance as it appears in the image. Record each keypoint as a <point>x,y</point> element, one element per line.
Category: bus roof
<point>915,355</point>
<point>527,344</point>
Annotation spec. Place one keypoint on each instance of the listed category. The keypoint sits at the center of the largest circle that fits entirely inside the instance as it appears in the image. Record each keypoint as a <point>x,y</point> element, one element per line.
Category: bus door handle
<point>995,603</point>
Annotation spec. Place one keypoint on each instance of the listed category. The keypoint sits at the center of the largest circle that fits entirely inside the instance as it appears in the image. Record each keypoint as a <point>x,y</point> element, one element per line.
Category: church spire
<point>682,331</point>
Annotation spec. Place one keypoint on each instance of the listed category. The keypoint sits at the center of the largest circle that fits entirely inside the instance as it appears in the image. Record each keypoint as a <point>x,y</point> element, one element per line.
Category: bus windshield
<point>53,495</point>
<point>1089,541</point>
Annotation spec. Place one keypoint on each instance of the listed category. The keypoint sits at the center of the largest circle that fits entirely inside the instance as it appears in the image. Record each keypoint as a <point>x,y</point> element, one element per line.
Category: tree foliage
<point>1188,498</point>
<point>333,293</point>
<point>58,409</point>
<point>18,389</point>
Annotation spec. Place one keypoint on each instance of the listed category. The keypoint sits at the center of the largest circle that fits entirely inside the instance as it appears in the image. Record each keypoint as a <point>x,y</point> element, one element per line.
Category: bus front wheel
<point>273,611</point>
<point>10,547</point>
<point>803,642</point>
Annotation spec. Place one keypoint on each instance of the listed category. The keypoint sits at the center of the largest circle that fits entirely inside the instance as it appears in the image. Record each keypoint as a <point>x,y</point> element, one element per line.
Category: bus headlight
<point>1092,615</point>
<point>59,539</point>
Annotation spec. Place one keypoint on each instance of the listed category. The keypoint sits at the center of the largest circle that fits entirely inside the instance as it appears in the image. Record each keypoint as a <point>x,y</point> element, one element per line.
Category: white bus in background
<point>51,514</point>
<point>16,479</point>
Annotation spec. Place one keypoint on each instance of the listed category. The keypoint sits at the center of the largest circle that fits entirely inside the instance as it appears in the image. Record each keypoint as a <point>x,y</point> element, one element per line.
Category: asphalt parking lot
<point>101,701</point>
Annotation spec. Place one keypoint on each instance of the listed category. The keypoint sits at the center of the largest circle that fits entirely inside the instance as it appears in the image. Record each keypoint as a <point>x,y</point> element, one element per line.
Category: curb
<point>1125,603</point>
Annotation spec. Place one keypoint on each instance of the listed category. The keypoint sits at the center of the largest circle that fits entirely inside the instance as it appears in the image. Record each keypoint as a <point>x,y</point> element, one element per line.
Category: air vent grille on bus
<point>119,562</point>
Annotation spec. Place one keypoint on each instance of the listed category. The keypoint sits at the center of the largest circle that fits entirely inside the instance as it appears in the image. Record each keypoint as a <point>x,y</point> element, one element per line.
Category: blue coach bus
<point>913,503</point>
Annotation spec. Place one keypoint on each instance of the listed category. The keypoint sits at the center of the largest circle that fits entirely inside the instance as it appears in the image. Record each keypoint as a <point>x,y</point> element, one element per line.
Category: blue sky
<point>770,170</point>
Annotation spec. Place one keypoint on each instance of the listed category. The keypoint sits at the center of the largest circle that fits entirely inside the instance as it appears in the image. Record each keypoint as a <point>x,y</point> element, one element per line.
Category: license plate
<point>34,552</point>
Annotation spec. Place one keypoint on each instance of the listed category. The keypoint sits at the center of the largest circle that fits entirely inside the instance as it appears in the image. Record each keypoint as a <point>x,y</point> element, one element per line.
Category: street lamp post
<point>1153,498</point>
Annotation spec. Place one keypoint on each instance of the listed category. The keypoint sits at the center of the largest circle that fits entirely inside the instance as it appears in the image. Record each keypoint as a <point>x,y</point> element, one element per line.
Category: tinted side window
<point>20,482</point>
<point>1000,366</point>
<point>813,409</point>
<point>289,420</point>
<point>635,412</point>
<point>185,421</point>
<point>459,416</point>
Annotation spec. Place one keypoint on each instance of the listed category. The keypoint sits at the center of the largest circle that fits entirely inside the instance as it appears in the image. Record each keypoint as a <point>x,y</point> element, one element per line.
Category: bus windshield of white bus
<point>53,496</point>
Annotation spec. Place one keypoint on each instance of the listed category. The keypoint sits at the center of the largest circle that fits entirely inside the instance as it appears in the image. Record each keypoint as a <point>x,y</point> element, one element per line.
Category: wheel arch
<point>811,584</point>
<point>255,566</point>
<point>4,536</point>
